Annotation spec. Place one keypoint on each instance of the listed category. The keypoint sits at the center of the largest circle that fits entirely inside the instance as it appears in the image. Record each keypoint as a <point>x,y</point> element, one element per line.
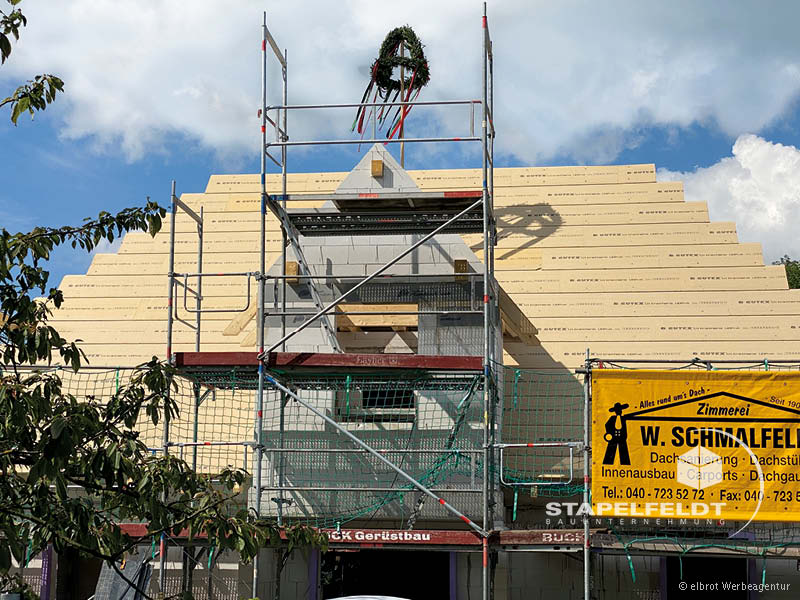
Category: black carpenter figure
<point>616,436</point>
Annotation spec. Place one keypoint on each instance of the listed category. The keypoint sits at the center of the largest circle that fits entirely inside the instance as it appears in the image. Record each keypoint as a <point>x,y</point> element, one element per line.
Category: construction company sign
<point>373,537</point>
<point>696,444</point>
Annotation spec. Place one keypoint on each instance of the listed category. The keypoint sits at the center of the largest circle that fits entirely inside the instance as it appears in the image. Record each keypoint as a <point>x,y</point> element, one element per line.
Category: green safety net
<point>428,424</point>
<point>538,407</point>
<point>221,419</point>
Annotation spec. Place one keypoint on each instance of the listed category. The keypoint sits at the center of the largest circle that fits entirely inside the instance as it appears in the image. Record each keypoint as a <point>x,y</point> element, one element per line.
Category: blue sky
<point>707,91</point>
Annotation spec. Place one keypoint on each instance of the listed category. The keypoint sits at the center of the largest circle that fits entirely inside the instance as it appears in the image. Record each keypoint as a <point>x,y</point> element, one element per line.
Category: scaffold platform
<point>387,212</point>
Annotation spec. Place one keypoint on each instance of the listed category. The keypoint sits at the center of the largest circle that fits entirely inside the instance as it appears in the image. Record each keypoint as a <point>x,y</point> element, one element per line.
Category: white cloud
<point>758,188</point>
<point>573,78</point>
<point>106,247</point>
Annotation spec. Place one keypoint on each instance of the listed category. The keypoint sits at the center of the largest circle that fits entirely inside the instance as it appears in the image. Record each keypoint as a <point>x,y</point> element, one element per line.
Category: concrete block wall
<point>783,571</point>
<point>542,576</point>
<point>296,584</point>
<point>559,576</point>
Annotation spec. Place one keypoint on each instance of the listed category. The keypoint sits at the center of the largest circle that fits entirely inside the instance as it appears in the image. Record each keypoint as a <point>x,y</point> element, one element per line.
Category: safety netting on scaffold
<point>542,407</point>
<point>212,429</point>
<point>429,424</point>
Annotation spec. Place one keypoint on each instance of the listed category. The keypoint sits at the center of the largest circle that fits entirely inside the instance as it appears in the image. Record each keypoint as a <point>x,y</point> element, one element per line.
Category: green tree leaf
<point>50,439</point>
<point>792,268</point>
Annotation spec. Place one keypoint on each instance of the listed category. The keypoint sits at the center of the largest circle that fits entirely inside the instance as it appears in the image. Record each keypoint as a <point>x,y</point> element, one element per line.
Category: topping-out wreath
<point>387,89</point>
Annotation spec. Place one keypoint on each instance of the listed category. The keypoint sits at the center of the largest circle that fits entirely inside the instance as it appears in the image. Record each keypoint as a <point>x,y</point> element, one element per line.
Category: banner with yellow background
<point>696,444</point>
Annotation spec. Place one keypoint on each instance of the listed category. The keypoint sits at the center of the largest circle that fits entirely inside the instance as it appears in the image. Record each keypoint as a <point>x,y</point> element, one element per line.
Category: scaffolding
<point>552,410</point>
<point>412,428</point>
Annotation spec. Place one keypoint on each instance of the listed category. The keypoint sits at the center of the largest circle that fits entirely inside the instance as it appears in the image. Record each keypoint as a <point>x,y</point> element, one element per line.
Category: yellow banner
<point>696,444</point>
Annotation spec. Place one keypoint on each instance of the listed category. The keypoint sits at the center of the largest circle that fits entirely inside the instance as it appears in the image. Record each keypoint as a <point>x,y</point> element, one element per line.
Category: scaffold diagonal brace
<point>357,441</point>
<point>305,270</point>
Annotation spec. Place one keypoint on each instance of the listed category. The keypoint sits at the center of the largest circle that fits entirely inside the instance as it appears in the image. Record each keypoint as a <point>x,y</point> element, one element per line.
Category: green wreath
<point>388,58</point>
<point>388,89</point>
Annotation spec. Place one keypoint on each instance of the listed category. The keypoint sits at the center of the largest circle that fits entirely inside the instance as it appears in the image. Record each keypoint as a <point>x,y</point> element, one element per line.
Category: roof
<point>599,257</point>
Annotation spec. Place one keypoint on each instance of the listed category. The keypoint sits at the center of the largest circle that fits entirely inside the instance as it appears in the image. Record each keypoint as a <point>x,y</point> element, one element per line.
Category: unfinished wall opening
<point>705,573</point>
<point>416,575</point>
<point>382,405</point>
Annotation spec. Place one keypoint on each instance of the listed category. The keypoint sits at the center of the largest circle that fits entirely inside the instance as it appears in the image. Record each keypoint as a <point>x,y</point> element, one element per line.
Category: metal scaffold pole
<point>188,568</point>
<point>284,191</point>
<point>260,315</point>
<point>486,318</point>
<point>587,555</point>
<point>162,562</point>
<point>198,317</point>
<point>284,188</point>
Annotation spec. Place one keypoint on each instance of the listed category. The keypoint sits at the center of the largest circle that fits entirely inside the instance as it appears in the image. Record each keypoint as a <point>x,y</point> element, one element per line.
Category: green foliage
<point>792,270</point>
<point>38,92</point>
<point>72,469</point>
<point>9,25</point>
<point>34,95</point>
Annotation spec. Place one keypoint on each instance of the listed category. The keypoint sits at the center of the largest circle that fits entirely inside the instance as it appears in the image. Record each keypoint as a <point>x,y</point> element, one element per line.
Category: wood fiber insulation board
<point>136,264</point>
<point>143,308</point>
<point>231,203</point>
<point>571,355</point>
<point>643,173</point>
<point>236,205</point>
<point>699,255</point>
<point>217,222</point>
<point>139,309</point>
<point>252,203</point>
<point>514,321</point>
<point>621,257</point>
<point>644,280</point>
<point>135,243</point>
<point>642,329</point>
<point>208,202</point>
<point>119,264</point>
<point>535,176</point>
<point>221,223</point>
<point>131,353</point>
<point>601,214</point>
<point>449,178</point>
<point>213,241</point>
<point>348,322</point>
<point>512,241</point>
<point>144,264</point>
<point>78,308</point>
<point>92,330</point>
<point>296,183</point>
<point>143,332</point>
<point>111,286</point>
<point>730,303</point>
<point>577,195</point>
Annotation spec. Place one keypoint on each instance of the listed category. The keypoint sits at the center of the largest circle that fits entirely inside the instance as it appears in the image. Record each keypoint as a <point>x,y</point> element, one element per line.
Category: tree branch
<point>129,582</point>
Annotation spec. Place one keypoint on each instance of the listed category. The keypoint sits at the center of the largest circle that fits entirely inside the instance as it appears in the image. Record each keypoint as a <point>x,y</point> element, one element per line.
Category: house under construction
<point>402,358</point>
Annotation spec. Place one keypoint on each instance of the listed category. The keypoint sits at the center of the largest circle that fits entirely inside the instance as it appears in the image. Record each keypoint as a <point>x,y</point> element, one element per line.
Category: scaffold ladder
<point>292,236</point>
